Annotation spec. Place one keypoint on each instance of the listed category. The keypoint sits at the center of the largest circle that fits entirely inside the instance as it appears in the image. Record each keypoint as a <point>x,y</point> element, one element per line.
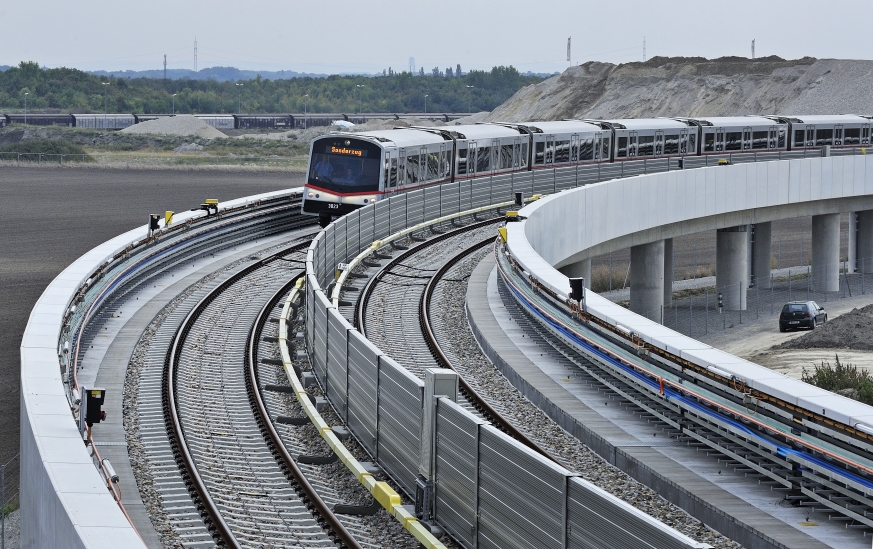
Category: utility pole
<point>425,104</point>
<point>25,108</point>
<point>195,54</point>
<point>358,96</point>
<point>165,66</point>
<point>305,98</point>
<point>753,48</point>
<point>470,99</point>
<point>239,98</point>
<point>644,49</point>
<point>105,90</point>
<point>174,104</point>
<point>568,51</point>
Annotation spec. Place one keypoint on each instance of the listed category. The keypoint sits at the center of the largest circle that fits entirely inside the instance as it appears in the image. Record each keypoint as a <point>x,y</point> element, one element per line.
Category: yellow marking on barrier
<point>212,201</point>
<point>381,491</point>
<point>168,218</point>
<point>502,232</point>
<point>512,214</point>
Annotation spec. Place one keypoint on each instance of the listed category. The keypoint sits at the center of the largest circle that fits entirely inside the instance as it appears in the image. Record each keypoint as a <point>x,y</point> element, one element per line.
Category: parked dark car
<point>801,314</point>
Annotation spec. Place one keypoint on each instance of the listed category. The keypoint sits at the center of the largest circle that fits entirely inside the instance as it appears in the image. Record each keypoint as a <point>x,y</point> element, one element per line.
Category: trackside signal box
<point>90,411</point>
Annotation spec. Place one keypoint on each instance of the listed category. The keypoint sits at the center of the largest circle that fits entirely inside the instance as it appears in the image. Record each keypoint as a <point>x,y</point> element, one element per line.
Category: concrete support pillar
<point>826,252</point>
<point>732,266</point>
<point>581,268</point>
<point>668,272</point>
<point>852,256</point>
<point>761,256</point>
<point>647,280</point>
<point>865,241</point>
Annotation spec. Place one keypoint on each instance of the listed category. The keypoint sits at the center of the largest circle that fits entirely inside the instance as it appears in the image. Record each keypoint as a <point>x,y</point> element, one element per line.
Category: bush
<point>30,151</point>
<point>844,379</point>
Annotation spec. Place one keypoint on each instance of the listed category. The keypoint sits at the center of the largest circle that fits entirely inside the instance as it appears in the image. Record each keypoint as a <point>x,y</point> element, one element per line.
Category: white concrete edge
<point>46,419</point>
<point>796,181</point>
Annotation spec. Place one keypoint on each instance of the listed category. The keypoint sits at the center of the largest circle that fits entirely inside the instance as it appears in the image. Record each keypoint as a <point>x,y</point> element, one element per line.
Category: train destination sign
<point>347,151</point>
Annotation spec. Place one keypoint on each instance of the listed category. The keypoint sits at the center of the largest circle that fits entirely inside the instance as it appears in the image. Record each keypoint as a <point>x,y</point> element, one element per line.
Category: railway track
<point>225,468</point>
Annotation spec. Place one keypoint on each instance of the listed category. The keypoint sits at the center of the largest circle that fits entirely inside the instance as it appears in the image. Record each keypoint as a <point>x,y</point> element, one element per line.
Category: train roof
<point>401,137</point>
<point>640,123</point>
<point>730,120</point>
<point>477,131</point>
<point>824,119</point>
<point>561,126</point>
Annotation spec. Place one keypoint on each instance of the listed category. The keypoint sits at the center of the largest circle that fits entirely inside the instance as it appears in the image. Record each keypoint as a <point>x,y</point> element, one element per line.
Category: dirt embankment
<point>852,330</point>
<point>730,86</point>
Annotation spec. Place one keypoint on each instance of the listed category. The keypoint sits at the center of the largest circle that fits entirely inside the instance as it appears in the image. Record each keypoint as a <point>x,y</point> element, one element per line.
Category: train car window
<point>646,145</point>
<point>692,144</point>
<point>671,144</point>
<point>709,142</point>
<point>522,161</point>
<point>462,161</point>
<point>606,144</point>
<point>539,153</point>
<point>386,177</point>
<point>505,157</point>
<point>550,150</point>
<point>798,138</point>
<point>780,140</point>
<point>824,137</point>
<point>733,141</point>
<point>759,140</point>
<point>433,166</point>
<point>412,168</point>
<point>586,148</point>
<point>621,151</point>
<point>853,136</point>
<point>562,151</point>
<point>483,160</point>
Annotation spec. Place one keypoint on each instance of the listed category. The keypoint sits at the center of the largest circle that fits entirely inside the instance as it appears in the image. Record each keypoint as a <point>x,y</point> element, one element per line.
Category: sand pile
<point>184,125</point>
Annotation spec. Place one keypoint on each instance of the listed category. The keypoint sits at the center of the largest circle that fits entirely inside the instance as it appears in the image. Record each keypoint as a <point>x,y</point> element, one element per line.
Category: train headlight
<point>311,194</point>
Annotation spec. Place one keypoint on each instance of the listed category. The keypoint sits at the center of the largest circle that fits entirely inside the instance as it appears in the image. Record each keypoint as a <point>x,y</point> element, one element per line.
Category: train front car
<point>345,173</point>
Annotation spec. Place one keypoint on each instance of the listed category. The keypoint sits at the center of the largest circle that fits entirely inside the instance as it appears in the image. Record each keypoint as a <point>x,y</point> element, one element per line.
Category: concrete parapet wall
<point>64,500</point>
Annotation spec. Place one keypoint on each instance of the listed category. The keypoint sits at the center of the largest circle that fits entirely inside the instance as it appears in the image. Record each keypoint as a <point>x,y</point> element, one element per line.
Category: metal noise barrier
<point>487,489</point>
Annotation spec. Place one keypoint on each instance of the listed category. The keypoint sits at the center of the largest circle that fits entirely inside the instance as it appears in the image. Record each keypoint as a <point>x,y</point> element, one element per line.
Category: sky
<point>341,36</point>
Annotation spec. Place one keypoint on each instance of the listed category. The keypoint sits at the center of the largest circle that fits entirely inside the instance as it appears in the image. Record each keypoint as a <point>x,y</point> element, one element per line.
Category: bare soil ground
<point>51,216</point>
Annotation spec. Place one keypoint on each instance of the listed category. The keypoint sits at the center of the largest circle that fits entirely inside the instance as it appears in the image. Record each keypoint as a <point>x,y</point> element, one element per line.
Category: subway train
<point>348,170</point>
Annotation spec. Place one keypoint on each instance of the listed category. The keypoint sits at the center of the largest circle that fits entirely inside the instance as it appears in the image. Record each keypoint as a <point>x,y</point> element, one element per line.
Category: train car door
<point>865,134</point>
<point>574,148</point>
<point>719,140</point>
<point>550,149</point>
<point>516,153</point>
<point>444,163</point>
<point>771,141</point>
<point>810,136</point>
<point>747,139</point>
<point>390,181</point>
<point>659,143</point>
<point>471,158</point>
<point>495,156</point>
<point>598,146</point>
<point>401,169</point>
<point>422,164</point>
<point>631,144</point>
<point>838,135</point>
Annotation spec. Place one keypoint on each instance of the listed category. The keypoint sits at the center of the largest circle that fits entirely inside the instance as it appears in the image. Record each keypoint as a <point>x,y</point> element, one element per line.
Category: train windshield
<point>345,165</point>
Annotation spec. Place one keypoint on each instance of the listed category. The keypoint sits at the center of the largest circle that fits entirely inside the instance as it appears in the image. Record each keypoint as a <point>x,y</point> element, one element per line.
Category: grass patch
<point>845,379</point>
<point>30,151</point>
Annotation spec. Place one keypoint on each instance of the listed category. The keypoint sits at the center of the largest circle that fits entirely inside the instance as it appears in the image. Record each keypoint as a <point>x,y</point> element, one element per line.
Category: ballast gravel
<point>450,324</point>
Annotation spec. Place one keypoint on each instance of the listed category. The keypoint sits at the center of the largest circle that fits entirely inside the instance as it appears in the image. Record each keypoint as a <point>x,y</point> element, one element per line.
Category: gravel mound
<point>852,330</point>
<point>731,86</point>
<point>183,124</point>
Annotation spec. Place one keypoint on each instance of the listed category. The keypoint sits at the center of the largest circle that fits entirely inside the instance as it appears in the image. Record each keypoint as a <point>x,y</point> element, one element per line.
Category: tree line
<point>72,90</point>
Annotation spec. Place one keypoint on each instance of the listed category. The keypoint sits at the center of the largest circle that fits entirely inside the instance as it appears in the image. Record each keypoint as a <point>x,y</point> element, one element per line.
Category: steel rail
<point>175,432</point>
<point>436,350</point>
<point>335,529</point>
<point>364,299</point>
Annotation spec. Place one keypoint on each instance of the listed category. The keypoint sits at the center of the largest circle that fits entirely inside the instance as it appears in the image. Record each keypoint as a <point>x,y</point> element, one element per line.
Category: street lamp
<point>425,104</point>
<point>239,98</point>
<point>25,108</point>
<point>105,125</point>
<point>470,99</point>
<point>174,104</point>
<point>305,97</point>
<point>358,96</point>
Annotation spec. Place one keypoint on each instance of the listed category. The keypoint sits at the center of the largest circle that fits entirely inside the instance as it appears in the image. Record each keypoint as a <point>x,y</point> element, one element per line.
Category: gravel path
<point>13,530</point>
